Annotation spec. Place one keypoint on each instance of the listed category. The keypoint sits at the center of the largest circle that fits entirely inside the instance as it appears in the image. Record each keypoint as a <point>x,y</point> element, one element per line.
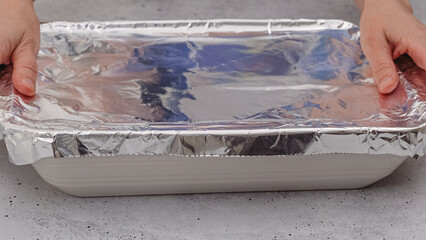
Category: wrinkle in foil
<point>209,88</point>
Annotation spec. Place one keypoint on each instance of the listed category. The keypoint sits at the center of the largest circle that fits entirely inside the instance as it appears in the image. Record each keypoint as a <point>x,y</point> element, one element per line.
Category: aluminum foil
<point>209,88</point>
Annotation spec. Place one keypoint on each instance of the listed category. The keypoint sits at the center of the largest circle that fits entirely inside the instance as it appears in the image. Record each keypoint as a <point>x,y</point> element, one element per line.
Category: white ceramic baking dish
<point>170,107</point>
<point>146,175</point>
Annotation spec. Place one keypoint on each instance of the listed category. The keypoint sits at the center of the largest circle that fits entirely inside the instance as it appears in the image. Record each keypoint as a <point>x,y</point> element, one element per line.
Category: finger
<point>379,54</point>
<point>24,69</point>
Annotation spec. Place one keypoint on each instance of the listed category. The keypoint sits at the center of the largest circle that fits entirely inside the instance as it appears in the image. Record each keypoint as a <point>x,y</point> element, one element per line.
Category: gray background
<point>390,209</point>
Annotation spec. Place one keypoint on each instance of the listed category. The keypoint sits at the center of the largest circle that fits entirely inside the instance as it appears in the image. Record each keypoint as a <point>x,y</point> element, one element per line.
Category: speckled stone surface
<point>390,209</point>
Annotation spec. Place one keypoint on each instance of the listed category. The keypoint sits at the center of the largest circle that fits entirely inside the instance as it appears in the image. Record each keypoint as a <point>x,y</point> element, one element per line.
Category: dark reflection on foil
<point>216,88</point>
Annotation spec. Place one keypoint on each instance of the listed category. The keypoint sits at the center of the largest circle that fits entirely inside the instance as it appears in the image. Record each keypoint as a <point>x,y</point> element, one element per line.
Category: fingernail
<point>387,85</point>
<point>29,84</point>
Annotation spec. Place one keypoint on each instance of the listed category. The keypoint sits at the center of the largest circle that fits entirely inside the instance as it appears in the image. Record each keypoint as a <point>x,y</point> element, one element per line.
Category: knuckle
<point>369,44</point>
<point>369,39</point>
<point>31,68</point>
<point>32,44</point>
<point>382,68</point>
<point>27,65</point>
<point>405,41</point>
<point>27,44</point>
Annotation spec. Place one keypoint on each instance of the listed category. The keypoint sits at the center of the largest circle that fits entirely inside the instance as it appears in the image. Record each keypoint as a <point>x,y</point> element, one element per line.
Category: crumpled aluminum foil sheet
<point>209,88</point>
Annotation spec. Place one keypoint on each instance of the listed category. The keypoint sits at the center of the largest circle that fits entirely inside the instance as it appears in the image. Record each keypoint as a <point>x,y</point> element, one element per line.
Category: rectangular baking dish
<point>199,106</point>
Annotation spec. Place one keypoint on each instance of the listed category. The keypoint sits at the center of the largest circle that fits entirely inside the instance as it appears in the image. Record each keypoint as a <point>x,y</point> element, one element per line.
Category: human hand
<point>20,42</point>
<point>389,30</point>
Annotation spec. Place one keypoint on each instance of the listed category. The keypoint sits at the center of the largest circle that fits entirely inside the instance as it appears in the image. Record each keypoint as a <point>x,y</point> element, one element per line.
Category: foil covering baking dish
<point>209,88</point>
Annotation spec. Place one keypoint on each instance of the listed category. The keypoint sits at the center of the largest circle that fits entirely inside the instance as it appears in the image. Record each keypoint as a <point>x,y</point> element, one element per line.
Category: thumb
<point>379,54</point>
<point>24,69</point>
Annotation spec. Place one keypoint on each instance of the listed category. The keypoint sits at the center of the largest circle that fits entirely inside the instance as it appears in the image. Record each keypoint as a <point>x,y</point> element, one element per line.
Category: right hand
<point>389,30</point>
<point>20,42</point>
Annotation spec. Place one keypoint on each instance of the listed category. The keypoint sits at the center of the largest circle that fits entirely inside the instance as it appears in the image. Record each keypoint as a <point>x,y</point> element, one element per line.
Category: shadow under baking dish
<point>164,174</point>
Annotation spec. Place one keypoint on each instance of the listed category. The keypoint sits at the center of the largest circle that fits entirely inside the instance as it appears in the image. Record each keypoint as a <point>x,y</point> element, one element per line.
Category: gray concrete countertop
<point>390,209</point>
